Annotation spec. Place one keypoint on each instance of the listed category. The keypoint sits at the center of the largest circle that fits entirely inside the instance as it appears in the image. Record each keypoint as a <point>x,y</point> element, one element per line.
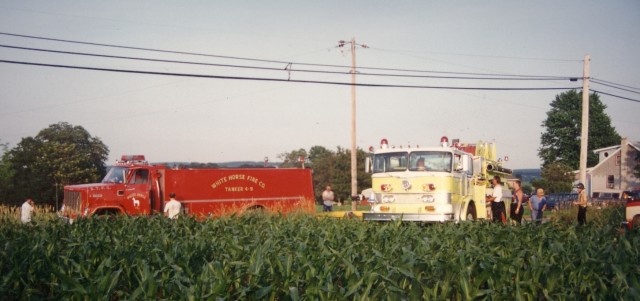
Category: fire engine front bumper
<point>407,217</point>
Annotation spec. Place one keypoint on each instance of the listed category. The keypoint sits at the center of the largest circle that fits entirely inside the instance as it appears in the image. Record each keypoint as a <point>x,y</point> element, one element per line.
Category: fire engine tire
<point>635,222</point>
<point>256,208</point>
<point>471,212</point>
<point>108,212</point>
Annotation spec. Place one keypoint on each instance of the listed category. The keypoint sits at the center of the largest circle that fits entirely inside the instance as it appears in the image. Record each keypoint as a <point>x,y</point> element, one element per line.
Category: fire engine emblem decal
<point>406,184</point>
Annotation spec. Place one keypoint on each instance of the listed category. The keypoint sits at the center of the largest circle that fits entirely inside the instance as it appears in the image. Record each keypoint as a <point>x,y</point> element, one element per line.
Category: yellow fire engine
<point>433,184</point>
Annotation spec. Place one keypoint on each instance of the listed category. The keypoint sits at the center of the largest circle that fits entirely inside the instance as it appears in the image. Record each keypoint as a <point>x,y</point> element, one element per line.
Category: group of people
<point>537,203</point>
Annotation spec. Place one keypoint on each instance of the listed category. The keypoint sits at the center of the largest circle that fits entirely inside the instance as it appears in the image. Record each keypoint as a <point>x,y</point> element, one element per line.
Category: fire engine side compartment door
<point>136,195</point>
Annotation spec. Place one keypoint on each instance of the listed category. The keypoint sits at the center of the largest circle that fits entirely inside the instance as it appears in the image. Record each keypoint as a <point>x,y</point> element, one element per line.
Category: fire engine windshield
<point>390,162</point>
<point>430,161</point>
<point>115,175</point>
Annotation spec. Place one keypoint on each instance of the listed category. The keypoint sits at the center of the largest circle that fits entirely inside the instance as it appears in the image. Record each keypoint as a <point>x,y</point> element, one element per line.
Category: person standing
<point>327,199</point>
<point>173,207</point>
<point>537,205</point>
<point>26,211</point>
<point>582,204</point>
<point>516,209</point>
<point>498,211</point>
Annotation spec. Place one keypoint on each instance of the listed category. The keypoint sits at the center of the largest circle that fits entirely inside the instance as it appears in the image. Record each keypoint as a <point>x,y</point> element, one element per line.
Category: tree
<point>636,169</point>
<point>561,140</point>
<point>556,177</point>
<point>6,172</point>
<point>59,155</point>
<point>292,159</point>
<point>322,162</point>
<point>330,168</point>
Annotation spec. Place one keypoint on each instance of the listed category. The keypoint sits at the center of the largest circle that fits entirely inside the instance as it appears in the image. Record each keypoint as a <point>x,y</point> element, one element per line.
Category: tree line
<point>38,167</point>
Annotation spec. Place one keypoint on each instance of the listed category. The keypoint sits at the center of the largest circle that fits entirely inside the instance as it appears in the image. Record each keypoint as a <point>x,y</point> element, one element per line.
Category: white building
<point>614,171</point>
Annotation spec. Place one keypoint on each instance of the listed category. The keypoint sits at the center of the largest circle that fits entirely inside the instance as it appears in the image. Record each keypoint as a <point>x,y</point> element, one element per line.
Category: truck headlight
<point>388,198</point>
<point>428,198</point>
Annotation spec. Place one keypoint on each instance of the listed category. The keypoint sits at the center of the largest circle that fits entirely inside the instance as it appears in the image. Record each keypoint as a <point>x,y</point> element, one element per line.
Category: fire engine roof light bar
<point>133,158</point>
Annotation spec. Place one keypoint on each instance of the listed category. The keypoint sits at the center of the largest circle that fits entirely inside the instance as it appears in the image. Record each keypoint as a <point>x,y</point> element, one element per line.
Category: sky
<point>220,118</point>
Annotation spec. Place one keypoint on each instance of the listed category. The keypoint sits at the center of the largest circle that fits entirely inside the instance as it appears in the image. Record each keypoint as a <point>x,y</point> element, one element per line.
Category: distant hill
<point>527,175</point>
<point>233,164</point>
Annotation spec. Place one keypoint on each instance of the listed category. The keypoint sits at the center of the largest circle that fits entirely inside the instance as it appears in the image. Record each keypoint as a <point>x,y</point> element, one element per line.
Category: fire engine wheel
<point>107,213</point>
<point>256,208</point>
<point>635,222</point>
<point>471,212</point>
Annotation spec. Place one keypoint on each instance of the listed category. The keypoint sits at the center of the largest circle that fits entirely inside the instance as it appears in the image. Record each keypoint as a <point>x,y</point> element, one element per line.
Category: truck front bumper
<point>407,217</point>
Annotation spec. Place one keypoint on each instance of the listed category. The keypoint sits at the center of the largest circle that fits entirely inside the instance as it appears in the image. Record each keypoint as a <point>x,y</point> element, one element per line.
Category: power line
<point>614,86</point>
<point>476,55</point>
<point>618,96</point>
<point>283,80</point>
<point>277,69</point>
<point>612,83</point>
<point>271,61</point>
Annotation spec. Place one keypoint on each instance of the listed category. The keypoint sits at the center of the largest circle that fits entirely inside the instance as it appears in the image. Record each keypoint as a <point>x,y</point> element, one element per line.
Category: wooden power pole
<point>354,163</point>
<point>584,136</point>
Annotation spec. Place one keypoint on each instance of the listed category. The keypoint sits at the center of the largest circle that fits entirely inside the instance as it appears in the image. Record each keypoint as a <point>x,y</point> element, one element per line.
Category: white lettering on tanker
<point>239,177</point>
<point>238,189</point>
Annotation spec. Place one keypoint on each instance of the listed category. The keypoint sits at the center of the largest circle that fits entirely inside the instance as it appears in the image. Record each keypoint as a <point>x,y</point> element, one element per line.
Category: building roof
<point>633,144</point>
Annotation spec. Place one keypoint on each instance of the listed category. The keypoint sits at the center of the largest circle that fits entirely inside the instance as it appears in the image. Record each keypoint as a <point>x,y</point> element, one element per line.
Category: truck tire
<point>256,208</point>
<point>471,212</point>
<point>107,212</point>
<point>635,222</point>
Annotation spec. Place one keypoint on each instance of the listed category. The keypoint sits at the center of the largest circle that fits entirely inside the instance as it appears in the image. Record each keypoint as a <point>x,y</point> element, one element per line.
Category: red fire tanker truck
<point>135,187</point>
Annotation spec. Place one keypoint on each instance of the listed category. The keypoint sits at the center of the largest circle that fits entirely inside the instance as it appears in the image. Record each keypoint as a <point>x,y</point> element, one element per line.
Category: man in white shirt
<point>173,207</point>
<point>498,210</point>
<point>327,199</point>
<point>26,212</point>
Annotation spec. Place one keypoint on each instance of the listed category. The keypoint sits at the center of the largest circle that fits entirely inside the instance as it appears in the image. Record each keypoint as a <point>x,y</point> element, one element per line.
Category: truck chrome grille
<point>72,201</point>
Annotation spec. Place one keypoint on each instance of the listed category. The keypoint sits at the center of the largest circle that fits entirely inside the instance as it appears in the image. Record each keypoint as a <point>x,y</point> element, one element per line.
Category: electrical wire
<point>613,86</point>
<point>618,96</point>
<point>277,69</point>
<point>284,80</point>
<point>269,61</point>
<point>612,83</point>
<point>476,76</point>
<point>475,55</point>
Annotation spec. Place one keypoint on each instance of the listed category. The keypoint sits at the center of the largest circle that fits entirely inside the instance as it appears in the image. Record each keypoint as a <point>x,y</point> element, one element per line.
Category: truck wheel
<point>256,208</point>
<point>471,212</point>
<point>107,213</point>
<point>635,222</point>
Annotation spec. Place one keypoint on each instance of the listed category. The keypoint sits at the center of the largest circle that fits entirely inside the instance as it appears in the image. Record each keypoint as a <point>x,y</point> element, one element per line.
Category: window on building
<point>610,180</point>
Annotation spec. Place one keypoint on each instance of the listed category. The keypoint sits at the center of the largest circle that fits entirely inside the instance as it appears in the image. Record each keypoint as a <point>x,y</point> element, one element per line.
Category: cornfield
<point>261,256</point>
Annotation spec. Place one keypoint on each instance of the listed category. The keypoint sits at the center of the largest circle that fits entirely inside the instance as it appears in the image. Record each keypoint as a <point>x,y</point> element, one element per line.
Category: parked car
<point>560,200</point>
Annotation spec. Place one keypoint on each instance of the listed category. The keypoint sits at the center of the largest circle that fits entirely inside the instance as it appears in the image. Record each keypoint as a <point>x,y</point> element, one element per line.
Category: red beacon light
<point>384,144</point>
<point>444,141</point>
<point>133,158</point>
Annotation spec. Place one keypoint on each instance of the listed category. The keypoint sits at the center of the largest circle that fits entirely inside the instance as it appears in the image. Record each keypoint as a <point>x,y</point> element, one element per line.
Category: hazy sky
<point>169,118</point>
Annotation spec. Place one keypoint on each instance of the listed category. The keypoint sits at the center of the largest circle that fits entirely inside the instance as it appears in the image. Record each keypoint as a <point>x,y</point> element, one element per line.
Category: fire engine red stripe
<point>633,204</point>
<point>243,200</point>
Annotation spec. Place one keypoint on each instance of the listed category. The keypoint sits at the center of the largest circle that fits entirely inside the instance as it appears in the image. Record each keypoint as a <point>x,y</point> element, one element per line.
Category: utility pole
<point>584,136</point>
<point>354,165</point>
